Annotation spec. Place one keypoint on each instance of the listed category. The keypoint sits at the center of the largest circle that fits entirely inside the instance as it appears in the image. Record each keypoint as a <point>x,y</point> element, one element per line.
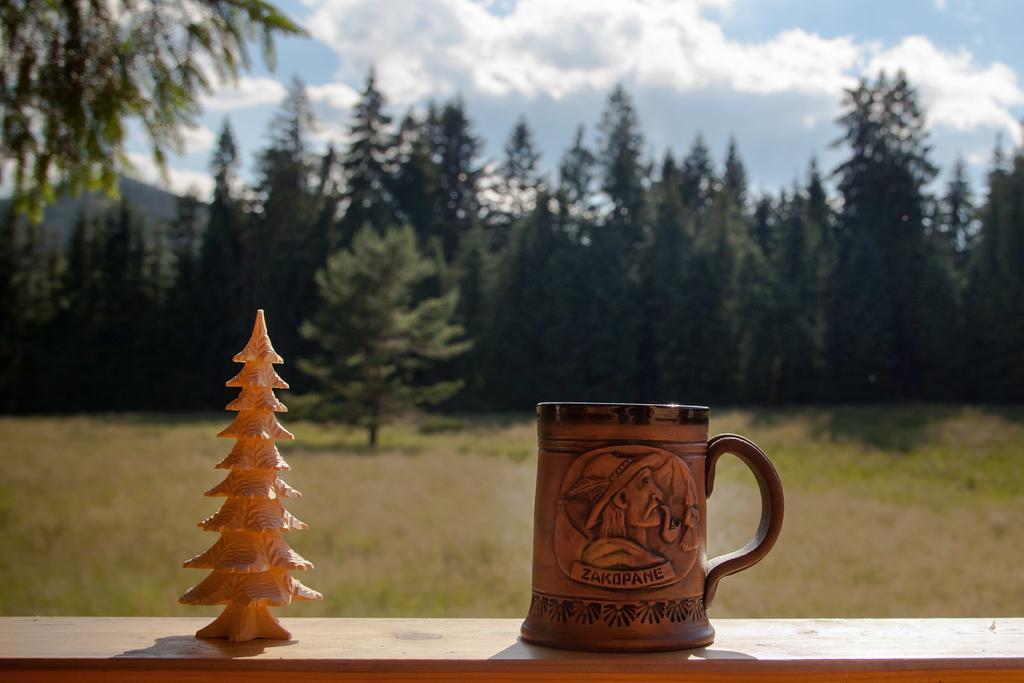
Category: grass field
<point>912,511</point>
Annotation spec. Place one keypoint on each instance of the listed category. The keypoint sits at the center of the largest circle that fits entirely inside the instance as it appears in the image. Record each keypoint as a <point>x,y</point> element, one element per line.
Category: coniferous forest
<point>480,284</point>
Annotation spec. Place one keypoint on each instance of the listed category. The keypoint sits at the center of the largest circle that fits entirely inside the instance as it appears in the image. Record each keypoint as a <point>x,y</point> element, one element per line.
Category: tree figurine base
<point>239,623</point>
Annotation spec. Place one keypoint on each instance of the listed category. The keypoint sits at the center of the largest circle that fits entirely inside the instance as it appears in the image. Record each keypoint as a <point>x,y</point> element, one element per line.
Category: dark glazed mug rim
<point>622,413</point>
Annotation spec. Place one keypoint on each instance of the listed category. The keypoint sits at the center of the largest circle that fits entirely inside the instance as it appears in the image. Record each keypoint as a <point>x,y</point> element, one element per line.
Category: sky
<point>769,72</point>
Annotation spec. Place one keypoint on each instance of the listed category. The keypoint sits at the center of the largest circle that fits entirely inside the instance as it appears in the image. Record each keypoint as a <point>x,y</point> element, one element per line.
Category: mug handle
<point>771,508</point>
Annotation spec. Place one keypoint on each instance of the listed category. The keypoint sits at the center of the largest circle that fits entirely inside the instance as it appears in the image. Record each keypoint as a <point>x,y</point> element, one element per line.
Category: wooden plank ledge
<point>163,649</point>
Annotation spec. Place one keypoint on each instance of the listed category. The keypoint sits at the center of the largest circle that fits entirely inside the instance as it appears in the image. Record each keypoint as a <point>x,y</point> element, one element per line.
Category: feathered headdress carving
<point>589,488</point>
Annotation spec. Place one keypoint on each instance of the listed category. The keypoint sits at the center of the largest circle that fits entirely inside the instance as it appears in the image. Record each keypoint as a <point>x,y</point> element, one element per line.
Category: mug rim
<point>629,413</point>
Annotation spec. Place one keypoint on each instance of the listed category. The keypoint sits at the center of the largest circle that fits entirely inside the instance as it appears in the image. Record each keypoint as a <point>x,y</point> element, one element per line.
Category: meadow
<point>890,511</point>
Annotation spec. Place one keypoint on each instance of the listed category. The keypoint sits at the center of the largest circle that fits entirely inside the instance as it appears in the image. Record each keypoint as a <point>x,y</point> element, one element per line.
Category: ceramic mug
<point>620,534</point>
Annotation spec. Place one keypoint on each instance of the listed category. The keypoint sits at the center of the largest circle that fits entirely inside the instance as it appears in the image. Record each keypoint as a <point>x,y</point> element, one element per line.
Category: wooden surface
<point>163,649</point>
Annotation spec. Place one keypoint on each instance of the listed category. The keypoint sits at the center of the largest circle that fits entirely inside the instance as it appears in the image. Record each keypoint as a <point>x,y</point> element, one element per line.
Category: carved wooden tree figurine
<point>251,560</point>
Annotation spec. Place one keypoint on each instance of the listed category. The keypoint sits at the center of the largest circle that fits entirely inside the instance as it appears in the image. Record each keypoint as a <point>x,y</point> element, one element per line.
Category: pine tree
<point>995,290</point>
<point>668,176</point>
<point>224,266</point>
<point>457,148</point>
<point>734,179</point>
<point>526,295</point>
<point>10,311</point>
<point>821,226</point>
<point>622,169</point>
<point>251,560</point>
<point>576,179</point>
<point>697,181</point>
<point>221,250</point>
<point>367,165</point>
<point>474,268</point>
<point>796,283</point>
<point>520,174</point>
<point>818,210</point>
<point>415,180</point>
<point>762,226</point>
<point>84,310</point>
<point>184,237</point>
<point>126,315</point>
<point>277,230</point>
<point>956,224</point>
<point>876,344</point>
<point>823,244</point>
<point>763,334</point>
<point>608,318</point>
<point>373,336</point>
<point>32,296</point>
<point>287,238</point>
<point>711,330</point>
<point>75,73</point>
<point>941,325</point>
<point>664,264</point>
<point>327,198</point>
<point>182,325</point>
<point>611,318</point>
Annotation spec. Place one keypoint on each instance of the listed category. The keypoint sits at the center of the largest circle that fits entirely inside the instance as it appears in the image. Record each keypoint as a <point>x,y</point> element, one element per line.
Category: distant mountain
<point>154,206</point>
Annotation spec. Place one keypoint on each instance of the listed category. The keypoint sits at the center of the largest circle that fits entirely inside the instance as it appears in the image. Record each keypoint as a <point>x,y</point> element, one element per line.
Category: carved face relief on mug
<point>628,518</point>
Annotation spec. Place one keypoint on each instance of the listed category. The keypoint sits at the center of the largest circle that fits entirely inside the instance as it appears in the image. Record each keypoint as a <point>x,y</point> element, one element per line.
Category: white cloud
<point>247,92</point>
<point>956,92</point>
<point>979,158</point>
<point>793,61</point>
<point>196,138</point>
<point>178,180</point>
<point>329,132</point>
<point>437,48</point>
<point>331,128</point>
<point>337,95</point>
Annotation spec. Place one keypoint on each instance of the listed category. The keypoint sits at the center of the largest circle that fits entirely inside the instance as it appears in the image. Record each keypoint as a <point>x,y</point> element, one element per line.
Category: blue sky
<point>770,72</point>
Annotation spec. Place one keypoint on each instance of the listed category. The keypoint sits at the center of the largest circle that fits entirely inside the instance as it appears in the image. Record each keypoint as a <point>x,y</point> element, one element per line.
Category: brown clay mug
<point>620,535</point>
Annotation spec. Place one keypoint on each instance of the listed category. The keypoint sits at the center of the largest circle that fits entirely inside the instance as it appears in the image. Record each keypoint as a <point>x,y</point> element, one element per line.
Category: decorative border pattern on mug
<point>621,614</point>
